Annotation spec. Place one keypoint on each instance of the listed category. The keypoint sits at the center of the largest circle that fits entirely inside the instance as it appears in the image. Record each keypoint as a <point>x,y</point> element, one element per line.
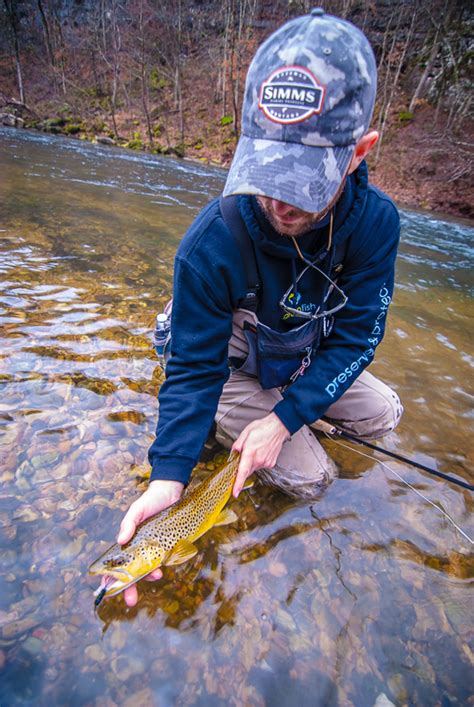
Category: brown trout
<point>167,538</point>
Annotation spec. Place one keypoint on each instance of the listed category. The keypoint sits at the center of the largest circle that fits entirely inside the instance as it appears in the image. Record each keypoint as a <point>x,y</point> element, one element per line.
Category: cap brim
<point>304,176</point>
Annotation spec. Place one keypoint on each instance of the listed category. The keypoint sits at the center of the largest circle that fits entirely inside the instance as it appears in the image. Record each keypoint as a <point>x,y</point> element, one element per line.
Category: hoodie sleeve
<point>367,279</point>
<point>207,282</point>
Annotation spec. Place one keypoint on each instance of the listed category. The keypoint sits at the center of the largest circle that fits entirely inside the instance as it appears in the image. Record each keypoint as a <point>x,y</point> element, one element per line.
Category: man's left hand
<point>259,445</point>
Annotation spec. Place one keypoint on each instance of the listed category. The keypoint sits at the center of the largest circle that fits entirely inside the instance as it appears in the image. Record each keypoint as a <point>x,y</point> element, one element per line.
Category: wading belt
<point>235,223</point>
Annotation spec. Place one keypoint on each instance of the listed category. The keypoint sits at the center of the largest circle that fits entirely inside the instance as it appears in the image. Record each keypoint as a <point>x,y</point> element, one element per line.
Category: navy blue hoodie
<point>209,281</point>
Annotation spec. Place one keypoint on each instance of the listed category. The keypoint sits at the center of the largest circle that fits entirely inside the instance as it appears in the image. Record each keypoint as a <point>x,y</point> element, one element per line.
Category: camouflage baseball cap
<point>309,98</point>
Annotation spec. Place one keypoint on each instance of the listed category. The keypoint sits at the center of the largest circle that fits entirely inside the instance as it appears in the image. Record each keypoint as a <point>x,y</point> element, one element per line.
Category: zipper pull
<point>306,361</point>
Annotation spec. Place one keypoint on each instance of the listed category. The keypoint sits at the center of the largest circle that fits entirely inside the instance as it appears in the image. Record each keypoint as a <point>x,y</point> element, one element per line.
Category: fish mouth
<point>111,585</point>
<point>113,582</point>
<point>98,568</point>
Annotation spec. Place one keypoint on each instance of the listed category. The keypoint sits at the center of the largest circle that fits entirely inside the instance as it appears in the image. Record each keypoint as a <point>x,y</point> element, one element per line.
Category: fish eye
<point>115,561</point>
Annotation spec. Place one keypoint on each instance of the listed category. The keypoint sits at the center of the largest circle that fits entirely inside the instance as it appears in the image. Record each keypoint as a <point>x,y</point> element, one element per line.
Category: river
<point>363,597</point>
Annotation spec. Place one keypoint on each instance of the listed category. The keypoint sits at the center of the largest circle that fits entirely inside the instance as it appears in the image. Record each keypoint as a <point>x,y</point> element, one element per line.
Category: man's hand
<point>259,445</point>
<point>158,496</point>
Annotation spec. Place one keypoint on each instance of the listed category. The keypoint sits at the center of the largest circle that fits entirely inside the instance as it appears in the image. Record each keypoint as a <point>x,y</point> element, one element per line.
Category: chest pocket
<point>276,358</point>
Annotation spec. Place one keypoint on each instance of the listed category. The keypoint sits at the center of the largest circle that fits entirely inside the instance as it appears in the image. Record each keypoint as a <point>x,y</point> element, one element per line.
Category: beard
<point>298,222</point>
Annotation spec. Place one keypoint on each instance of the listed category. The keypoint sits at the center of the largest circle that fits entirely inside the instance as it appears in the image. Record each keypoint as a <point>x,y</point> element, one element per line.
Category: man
<point>322,248</point>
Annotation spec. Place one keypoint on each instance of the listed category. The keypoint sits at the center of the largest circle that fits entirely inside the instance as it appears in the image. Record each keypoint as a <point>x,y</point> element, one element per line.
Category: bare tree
<point>46,32</point>
<point>170,49</point>
<point>143,67</point>
<point>11,8</point>
<point>391,78</point>
<point>238,19</point>
<point>106,44</point>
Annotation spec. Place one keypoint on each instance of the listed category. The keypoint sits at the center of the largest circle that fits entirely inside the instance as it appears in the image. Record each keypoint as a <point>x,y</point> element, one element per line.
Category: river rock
<point>118,638</point>
<point>6,477</point>
<point>26,514</point>
<point>144,698</point>
<point>277,569</point>
<point>8,617</point>
<point>72,550</point>
<point>38,461</point>
<point>10,532</point>
<point>103,140</point>
<point>18,628</point>
<point>51,674</point>
<point>383,701</point>
<point>12,121</point>
<point>125,667</point>
<point>285,620</point>
<point>397,687</point>
<point>51,473</point>
<point>33,645</point>
<point>96,653</point>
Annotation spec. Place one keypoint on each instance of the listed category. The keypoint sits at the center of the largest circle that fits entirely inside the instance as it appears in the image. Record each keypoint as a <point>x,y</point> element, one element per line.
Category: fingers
<point>130,595</point>
<point>246,467</point>
<point>154,576</point>
<point>238,444</point>
<point>130,521</point>
<point>127,529</point>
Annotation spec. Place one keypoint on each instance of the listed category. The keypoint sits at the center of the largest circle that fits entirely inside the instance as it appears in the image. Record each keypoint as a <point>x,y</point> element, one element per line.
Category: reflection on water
<point>362,594</point>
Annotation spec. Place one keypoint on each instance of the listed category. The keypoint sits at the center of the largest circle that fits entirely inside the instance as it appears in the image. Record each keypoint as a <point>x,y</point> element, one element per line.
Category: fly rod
<point>332,431</point>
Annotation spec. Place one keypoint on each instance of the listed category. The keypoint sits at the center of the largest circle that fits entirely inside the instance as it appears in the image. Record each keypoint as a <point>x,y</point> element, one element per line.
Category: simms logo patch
<point>291,94</point>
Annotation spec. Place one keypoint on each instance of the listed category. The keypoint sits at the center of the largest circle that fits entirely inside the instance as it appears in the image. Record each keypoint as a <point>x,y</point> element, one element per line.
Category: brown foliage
<point>168,75</point>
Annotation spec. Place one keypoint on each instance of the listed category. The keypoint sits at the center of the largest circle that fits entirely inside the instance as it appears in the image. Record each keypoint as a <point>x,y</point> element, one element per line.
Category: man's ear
<point>362,149</point>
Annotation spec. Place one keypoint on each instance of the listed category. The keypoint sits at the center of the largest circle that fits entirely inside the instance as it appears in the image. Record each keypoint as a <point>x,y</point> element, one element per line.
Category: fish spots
<point>187,520</point>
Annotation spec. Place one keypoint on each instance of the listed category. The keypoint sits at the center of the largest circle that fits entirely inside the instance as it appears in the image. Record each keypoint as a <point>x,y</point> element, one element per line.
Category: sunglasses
<point>313,315</point>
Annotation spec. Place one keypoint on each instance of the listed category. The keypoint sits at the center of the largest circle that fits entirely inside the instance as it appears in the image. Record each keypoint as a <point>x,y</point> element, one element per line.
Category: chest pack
<point>276,358</point>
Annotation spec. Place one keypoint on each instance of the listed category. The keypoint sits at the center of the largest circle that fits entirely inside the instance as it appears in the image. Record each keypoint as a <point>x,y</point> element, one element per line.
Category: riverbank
<point>99,73</point>
<point>418,169</point>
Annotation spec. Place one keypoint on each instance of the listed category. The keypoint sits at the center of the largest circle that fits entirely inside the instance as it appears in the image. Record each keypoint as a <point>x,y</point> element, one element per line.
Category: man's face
<point>288,220</point>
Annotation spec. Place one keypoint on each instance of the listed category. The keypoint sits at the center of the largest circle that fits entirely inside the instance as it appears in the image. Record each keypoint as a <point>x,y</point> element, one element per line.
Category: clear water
<point>366,593</point>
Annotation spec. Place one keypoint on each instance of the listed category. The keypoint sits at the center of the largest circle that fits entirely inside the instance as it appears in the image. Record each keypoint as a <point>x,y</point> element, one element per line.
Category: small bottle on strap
<point>162,337</point>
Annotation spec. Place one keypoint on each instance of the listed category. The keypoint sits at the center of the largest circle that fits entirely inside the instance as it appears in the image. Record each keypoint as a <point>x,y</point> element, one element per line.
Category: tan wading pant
<point>368,409</point>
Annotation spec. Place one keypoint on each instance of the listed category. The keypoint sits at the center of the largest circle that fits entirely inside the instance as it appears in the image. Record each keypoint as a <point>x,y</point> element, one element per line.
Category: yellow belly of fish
<point>184,549</point>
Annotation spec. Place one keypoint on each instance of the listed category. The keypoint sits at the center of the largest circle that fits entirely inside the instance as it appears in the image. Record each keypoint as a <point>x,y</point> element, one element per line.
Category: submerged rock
<point>33,645</point>
<point>17,628</point>
<point>125,667</point>
<point>383,701</point>
<point>96,653</point>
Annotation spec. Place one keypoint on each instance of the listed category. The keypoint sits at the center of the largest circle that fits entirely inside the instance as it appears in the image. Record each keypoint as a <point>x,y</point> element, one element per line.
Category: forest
<point>168,77</point>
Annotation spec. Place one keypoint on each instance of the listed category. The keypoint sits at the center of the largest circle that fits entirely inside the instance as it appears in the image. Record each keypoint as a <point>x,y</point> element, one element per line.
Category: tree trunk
<point>179,77</point>
<point>143,74</point>
<point>10,6</point>
<point>394,83</point>
<point>46,32</point>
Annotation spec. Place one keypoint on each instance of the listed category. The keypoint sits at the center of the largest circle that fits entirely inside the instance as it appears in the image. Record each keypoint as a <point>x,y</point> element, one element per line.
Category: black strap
<point>235,223</point>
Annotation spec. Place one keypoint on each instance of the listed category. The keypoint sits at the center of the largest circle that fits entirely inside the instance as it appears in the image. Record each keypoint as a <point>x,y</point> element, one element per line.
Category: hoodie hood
<point>346,217</point>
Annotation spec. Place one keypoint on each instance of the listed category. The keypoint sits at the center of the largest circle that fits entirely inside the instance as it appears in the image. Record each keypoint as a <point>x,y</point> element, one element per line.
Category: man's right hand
<point>159,495</point>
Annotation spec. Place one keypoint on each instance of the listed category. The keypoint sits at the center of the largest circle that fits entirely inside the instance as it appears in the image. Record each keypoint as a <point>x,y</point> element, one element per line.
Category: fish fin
<point>182,551</point>
<point>248,484</point>
<point>226,517</point>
